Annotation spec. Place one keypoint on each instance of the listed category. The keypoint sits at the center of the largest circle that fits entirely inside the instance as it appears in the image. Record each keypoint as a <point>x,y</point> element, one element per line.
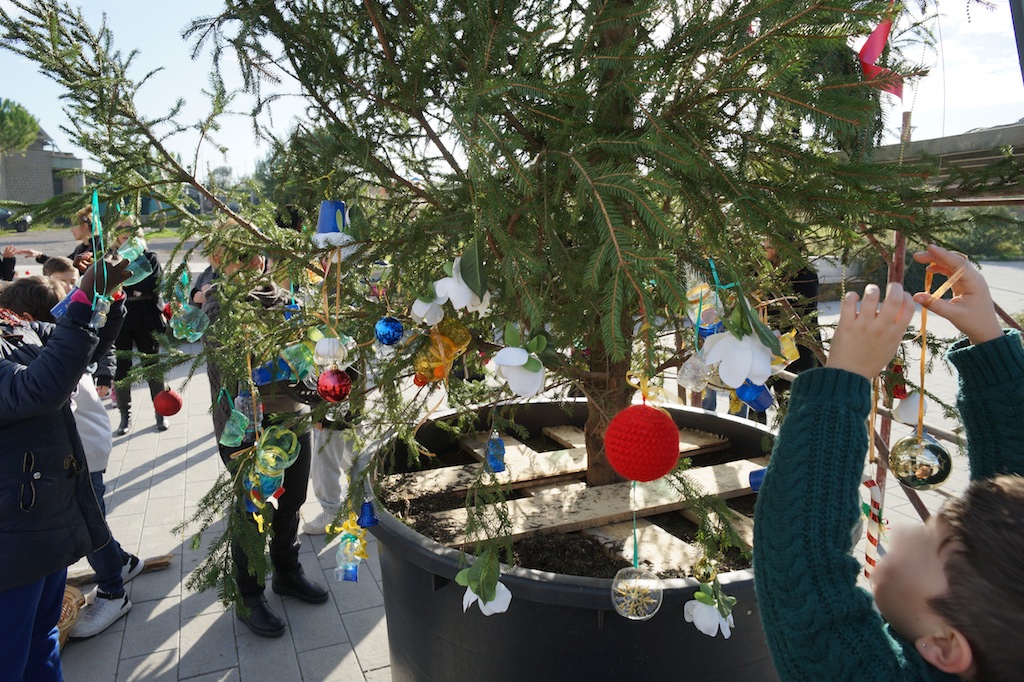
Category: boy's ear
<point>949,651</point>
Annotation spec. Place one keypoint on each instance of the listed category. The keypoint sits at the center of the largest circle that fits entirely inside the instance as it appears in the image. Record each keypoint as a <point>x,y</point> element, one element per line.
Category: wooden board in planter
<point>659,549</point>
<point>568,510</point>
<point>691,442</point>
<point>524,467</point>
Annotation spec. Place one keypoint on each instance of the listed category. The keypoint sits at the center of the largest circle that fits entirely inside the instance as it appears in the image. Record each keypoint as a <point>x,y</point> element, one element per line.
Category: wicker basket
<point>69,610</point>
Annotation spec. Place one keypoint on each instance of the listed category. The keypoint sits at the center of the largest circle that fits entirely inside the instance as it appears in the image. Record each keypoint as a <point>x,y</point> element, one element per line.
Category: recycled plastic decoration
<point>870,53</point>
<point>636,593</point>
<point>433,362</point>
<point>188,322</point>
<point>351,550</point>
<point>276,450</point>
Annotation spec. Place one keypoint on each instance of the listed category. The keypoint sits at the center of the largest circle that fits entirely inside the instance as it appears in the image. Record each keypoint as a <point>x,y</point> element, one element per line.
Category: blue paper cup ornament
<point>271,371</point>
<point>757,397</point>
<point>331,224</point>
<point>756,479</point>
<point>388,331</point>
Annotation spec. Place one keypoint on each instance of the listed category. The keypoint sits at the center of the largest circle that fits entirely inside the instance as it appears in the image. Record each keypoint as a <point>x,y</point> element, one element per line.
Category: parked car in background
<point>8,221</point>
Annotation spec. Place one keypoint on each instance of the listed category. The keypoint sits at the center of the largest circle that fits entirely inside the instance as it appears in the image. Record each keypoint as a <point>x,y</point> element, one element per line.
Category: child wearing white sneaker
<point>32,298</point>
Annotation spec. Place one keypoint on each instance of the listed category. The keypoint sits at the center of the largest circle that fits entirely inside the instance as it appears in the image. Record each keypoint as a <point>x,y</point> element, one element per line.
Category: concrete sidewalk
<point>154,481</point>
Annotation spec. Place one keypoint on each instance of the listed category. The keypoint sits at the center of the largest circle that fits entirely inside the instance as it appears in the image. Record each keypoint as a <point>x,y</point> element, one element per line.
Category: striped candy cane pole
<point>874,527</point>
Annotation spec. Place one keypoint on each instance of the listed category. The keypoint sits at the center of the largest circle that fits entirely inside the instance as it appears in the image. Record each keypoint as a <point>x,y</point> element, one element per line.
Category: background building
<point>34,175</point>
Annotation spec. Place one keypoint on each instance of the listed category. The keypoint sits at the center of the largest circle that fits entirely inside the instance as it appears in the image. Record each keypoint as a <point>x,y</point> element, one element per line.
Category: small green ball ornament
<point>920,464</point>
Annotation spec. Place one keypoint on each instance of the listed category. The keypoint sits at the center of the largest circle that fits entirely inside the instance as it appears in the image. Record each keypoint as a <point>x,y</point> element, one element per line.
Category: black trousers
<point>284,541</point>
<point>148,346</point>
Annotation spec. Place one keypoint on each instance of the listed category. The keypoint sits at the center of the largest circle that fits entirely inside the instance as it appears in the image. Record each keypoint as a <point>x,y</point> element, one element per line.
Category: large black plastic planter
<point>558,627</point>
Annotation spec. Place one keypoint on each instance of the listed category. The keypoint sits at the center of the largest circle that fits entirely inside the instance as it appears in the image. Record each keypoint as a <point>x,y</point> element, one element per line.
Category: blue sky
<point>980,86</point>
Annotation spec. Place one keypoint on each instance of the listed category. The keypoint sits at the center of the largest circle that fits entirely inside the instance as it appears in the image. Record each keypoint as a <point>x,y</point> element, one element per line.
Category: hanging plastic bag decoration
<point>351,550</point>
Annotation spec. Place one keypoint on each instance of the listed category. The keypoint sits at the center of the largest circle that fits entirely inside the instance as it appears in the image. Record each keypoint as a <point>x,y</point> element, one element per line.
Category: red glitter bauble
<point>334,385</point>
<point>642,443</point>
<point>167,403</point>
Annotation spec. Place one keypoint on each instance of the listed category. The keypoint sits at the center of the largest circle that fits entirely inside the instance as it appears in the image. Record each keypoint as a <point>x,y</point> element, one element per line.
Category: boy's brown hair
<point>985,574</point>
<point>32,295</point>
<point>58,264</point>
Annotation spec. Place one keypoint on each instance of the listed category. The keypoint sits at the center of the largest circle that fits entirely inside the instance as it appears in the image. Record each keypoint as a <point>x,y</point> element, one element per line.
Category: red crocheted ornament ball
<point>642,443</point>
<point>167,403</point>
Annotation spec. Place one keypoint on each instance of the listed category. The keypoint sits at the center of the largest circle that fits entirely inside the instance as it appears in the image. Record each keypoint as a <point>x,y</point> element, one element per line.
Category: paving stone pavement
<point>154,481</point>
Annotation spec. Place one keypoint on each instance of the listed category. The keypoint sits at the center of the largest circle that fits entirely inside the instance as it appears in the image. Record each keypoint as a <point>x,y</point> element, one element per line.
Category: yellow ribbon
<point>642,384</point>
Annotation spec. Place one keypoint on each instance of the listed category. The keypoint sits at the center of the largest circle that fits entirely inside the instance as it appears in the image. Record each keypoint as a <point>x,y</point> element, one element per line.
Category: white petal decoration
<point>511,356</point>
<point>500,603</point>
<point>761,360</point>
<point>480,306</point>
<point>523,382</point>
<point>735,365</point>
<point>711,342</point>
<point>430,312</point>
<point>707,619</point>
<point>442,288</point>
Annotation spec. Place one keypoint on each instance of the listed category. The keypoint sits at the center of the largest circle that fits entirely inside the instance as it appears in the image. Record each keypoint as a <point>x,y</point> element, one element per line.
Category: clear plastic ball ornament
<point>920,464</point>
<point>693,375</point>
<point>330,350</point>
<point>636,593</point>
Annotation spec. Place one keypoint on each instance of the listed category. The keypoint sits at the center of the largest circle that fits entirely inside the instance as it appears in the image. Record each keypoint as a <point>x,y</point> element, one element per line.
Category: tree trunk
<point>605,399</point>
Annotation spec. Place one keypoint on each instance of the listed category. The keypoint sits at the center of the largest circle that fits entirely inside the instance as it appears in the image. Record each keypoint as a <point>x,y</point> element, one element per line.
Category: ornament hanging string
<point>255,392</point>
<point>933,296</point>
<point>636,545</point>
<point>641,383</point>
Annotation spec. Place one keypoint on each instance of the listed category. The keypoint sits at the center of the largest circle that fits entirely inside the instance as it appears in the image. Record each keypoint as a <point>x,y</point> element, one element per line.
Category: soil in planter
<point>730,560</point>
<point>568,554</point>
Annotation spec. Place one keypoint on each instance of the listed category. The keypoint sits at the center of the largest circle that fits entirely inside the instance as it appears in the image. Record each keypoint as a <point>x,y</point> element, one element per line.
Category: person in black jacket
<point>49,515</point>
<point>280,405</point>
<point>144,318</point>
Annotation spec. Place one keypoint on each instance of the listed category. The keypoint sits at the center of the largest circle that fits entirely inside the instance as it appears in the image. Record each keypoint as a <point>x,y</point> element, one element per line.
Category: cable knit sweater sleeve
<point>991,402</point>
<point>818,623</point>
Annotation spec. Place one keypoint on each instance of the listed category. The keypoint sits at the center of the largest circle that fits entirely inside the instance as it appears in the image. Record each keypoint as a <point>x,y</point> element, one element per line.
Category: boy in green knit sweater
<point>949,593</point>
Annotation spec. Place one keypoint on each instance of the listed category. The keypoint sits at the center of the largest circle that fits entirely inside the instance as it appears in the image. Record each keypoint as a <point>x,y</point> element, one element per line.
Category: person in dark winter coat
<point>144,319</point>
<point>289,578</point>
<point>49,515</point>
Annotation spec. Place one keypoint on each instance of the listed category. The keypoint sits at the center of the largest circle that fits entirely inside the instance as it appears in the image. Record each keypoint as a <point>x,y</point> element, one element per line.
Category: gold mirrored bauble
<point>920,465</point>
<point>704,570</point>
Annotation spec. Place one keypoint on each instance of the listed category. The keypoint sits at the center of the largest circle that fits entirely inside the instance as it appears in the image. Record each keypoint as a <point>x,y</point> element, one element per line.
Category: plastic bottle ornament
<point>495,453</point>
<point>300,359</point>
<point>132,248</point>
<point>271,371</point>
<point>234,429</point>
<point>388,331</point>
<point>348,559</point>
<point>167,402</point>
<point>757,397</point>
<point>189,323</point>
<point>329,350</point>
<point>693,375</point>
<point>337,412</point>
<point>138,270</point>
<point>636,593</point>
<point>906,410</point>
<point>642,443</point>
<point>920,464</point>
<point>334,385</point>
<point>252,408</point>
<point>367,515</point>
<point>421,380</point>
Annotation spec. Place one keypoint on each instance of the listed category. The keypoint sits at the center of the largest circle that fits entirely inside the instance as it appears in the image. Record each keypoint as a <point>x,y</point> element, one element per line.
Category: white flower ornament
<point>707,618</point>
<point>738,359</point>
<point>521,369</point>
<point>500,603</point>
<point>456,290</point>
<point>429,311</point>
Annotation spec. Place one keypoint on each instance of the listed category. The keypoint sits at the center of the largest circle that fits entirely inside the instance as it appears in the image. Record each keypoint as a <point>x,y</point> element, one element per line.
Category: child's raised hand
<point>866,340</point>
<point>971,308</point>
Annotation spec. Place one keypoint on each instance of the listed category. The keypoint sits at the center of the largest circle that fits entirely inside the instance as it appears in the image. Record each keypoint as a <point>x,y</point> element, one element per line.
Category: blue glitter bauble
<point>388,331</point>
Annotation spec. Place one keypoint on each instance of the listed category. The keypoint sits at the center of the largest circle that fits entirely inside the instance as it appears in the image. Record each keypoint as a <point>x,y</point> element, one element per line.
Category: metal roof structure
<point>972,150</point>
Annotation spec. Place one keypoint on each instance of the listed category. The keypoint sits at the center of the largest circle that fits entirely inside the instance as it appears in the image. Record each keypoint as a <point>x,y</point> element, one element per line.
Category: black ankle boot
<point>296,584</point>
<point>161,423</point>
<point>261,620</point>
<point>126,421</point>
